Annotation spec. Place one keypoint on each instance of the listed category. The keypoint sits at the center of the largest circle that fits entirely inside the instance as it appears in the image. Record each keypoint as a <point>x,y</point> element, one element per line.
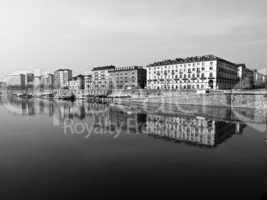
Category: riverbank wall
<point>235,100</point>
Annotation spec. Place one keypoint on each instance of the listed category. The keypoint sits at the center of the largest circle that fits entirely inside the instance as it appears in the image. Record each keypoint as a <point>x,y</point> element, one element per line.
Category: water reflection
<point>192,130</point>
<point>180,128</point>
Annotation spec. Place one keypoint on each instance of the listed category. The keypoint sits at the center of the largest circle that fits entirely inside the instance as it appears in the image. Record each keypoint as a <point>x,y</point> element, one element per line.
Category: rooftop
<point>108,67</point>
<point>78,76</point>
<point>63,70</point>
<point>128,68</point>
<point>188,60</point>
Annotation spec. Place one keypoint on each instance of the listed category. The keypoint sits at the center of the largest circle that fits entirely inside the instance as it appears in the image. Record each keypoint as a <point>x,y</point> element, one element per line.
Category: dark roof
<point>78,76</point>
<point>63,70</point>
<point>88,75</point>
<point>241,65</point>
<point>108,67</point>
<point>188,60</point>
<point>129,68</point>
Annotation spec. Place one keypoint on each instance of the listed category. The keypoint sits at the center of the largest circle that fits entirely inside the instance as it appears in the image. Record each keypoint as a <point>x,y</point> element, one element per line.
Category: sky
<point>81,34</point>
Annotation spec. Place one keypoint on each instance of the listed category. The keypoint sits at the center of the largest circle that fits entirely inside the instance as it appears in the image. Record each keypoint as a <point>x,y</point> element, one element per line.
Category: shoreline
<point>232,100</point>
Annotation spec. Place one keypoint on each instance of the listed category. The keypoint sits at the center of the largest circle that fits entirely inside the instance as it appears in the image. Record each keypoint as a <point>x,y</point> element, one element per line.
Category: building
<point>88,83</point>
<point>2,85</point>
<point>128,77</point>
<point>205,72</point>
<point>245,77</point>
<point>101,77</point>
<point>29,80</point>
<point>62,77</point>
<point>47,81</point>
<point>77,83</point>
<point>37,82</point>
<point>259,79</point>
<point>16,81</point>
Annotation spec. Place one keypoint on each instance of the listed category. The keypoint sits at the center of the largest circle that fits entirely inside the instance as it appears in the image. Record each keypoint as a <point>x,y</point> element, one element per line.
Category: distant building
<point>77,83</point>
<point>259,79</point>
<point>47,81</point>
<point>205,72</point>
<point>2,85</point>
<point>16,81</point>
<point>37,83</point>
<point>245,77</point>
<point>29,80</point>
<point>88,83</point>
<point>101,77</point>
<point>128,77</point>
<point>62,77</point>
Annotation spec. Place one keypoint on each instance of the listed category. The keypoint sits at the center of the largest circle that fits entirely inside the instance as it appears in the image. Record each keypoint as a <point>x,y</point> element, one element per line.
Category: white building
<point>205,72</point>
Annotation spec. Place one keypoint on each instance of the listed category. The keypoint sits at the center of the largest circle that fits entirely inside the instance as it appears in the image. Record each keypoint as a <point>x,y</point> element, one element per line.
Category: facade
<point>128,77</point>
<point>37,82</point>
<point>205,72</point>
<point>47,81</point>
<point>16,81</point>
<point>62,77</point>
<point>77,83</point>
<point>101,77</point>
<point>88,83</point>
<point>245,77</point>
<point>29,80</point>
<point>259,80</point>
<point>2,85</point>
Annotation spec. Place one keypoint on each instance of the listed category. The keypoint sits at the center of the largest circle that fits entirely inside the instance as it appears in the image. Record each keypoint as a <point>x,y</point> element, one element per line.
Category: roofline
<point>129,68</point>
<point>103,68</point>
<point>189,60</point>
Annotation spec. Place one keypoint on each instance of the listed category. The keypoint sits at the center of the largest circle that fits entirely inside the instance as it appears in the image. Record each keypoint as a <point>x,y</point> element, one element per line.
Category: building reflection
<point>193,130</point>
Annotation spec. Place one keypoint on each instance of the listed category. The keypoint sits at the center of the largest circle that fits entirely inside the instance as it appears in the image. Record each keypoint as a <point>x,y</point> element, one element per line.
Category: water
<point>52,150</point>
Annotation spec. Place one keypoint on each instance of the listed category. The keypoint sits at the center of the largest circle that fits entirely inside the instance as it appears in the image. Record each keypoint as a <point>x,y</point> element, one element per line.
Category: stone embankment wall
<point>255,101</point>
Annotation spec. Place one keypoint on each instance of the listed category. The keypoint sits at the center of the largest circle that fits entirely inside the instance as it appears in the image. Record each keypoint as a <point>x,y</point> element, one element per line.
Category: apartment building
<point>62,77</point>
<point>101,77</point>
<point>259,79</point>
<point>29,80</point>
<point>245,77</point>
<point>192,73</point>
<point>16,81</point>
<point>77,83</point>
<point>88,83</point>
<point>128,77</point>
<point>47,81</point>
<point>2,85</point>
